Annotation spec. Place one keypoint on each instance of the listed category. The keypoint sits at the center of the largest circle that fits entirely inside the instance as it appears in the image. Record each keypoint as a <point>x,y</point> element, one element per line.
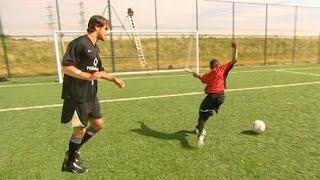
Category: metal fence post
<point>319,50</point>
<point>197,16</point>
<point>233,4</point>
<point>111,38</point>
<point>5,49</point>
<point>157,37</point>
<point>266,36</point>
<point>295,35</point>
<point>59,27</point>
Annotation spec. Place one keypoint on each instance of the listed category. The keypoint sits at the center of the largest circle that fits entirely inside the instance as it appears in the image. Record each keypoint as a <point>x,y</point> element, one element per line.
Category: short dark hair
<point>96,20</point>
<point>214,63</point>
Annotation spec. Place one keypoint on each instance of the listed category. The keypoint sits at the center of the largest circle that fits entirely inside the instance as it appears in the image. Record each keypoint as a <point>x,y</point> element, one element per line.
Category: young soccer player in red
<point>215,80</point>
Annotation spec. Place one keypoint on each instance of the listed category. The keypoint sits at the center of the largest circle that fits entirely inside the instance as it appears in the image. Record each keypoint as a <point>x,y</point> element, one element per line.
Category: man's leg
<point>95,126</point>
<point>70,163</point>
<point>75,143</point>
<point>96,122</point>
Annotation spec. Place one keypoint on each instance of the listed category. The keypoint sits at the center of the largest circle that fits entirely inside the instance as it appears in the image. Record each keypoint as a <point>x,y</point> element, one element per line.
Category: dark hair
<point>96,20</point>
<point>214,63</point>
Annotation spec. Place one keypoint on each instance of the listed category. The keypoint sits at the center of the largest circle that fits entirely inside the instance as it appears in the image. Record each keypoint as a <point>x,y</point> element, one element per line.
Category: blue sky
<point>30,17</point>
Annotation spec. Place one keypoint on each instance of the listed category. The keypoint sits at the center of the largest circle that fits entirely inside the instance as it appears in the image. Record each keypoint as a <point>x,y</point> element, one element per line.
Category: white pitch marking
<point>164,96</point>
<point>130,78</point>
<point>302,73</point>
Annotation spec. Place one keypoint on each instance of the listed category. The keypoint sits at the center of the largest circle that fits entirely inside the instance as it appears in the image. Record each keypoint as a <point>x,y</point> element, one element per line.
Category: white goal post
<point>165,51</point>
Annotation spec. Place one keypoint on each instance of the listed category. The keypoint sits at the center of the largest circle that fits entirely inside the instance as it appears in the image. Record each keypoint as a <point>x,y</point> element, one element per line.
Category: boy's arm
<point>196,75</point>
<point>204,78</point>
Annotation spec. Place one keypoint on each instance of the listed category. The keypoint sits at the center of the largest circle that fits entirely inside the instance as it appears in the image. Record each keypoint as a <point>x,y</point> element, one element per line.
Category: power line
<point>271,4</point>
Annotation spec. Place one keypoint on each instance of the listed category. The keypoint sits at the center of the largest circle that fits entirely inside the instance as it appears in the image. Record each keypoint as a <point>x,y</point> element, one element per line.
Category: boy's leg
<point>208,107</point>
<point>205,111</point>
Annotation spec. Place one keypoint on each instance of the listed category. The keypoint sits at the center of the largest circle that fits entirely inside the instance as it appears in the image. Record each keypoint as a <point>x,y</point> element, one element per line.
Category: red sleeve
<point>227,66</point>
<point>205,78</point>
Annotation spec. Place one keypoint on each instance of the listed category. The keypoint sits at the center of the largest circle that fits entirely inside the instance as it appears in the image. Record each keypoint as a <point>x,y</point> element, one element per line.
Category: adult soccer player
<point>215,81</point>
<point>83,68</point>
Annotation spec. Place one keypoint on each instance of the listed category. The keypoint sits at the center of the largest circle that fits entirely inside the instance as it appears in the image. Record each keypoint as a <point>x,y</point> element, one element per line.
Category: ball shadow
<point>249,132</point>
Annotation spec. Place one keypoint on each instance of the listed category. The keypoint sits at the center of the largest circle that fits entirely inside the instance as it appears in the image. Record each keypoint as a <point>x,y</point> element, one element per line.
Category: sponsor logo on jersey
<point>94,67</point>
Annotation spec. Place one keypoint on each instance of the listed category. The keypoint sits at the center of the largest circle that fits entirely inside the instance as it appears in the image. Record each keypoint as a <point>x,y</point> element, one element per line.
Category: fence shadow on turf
<point>179,135</point>
<point>249,132</point>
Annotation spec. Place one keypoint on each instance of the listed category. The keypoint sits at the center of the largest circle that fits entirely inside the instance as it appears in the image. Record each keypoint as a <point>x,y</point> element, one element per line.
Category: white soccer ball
<point>258,126</point>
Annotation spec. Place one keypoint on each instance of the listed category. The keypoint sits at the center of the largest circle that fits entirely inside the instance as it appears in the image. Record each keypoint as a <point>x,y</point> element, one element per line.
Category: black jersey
<point>84,55</point>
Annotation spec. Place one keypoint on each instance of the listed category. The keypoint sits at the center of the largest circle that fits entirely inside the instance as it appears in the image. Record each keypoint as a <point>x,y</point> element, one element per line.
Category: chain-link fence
<point>267,33</point>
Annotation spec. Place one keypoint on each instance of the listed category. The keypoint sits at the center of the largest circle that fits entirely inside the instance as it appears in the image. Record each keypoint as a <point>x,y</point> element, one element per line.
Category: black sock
<point>74,145</point>
<point>89,134</point>
<point>200,125</point>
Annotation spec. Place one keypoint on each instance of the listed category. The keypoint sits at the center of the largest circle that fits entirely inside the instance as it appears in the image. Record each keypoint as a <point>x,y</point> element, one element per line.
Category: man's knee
<point>78,132</point>
<point>97,124</point>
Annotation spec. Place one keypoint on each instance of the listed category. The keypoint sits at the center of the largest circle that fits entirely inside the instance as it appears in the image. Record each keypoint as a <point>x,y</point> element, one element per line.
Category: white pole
<point>197,51</point>
<point>58,62</point>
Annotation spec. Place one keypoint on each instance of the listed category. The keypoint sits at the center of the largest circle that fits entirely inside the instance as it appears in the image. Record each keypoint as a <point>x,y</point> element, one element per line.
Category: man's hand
<point>110,77</point>
<point>95,76</point>
<point>119,82</point>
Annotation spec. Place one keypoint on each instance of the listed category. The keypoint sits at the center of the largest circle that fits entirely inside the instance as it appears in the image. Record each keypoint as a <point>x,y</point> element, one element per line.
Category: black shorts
<point>210,105</point>
<point>85,111</point>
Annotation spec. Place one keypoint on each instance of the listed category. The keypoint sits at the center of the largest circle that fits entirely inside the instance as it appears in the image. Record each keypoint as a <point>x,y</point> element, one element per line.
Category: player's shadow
<point>179,135</point>
<point>249,132</point>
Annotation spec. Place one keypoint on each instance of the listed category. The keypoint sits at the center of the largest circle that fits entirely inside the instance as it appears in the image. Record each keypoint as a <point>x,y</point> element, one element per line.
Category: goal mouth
<point>158,51</point>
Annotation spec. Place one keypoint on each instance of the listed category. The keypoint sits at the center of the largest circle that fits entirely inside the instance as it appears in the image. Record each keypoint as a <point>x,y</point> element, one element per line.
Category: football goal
<point>129,52</point>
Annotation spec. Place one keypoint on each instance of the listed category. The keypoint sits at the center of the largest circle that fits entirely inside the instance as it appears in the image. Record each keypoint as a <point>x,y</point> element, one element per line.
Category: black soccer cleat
<point>78,159</point>
<point>73,168</point>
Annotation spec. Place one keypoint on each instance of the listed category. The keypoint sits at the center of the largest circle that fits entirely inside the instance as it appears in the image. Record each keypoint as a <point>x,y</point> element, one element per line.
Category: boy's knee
<point>205,115</point>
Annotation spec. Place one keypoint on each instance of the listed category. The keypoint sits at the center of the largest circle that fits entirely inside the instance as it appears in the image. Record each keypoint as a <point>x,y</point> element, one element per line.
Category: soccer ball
<point>258,126</point>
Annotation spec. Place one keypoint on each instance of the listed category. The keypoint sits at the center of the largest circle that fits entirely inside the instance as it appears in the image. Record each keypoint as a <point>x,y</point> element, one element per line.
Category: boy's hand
<point>196,75</point>
<point>234,44</point>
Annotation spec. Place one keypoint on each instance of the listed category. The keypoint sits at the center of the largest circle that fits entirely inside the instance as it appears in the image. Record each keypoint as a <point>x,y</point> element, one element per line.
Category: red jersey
<point>216,78</point>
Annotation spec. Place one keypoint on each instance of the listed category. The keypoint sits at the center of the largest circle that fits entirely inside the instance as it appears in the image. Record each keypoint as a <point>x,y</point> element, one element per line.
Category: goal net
<point>140,51</point>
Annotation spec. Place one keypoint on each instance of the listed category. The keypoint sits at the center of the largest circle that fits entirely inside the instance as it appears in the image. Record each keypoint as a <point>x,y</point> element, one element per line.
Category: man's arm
<point>110,77</point>
<point>234,46</point>
<point>77,73</point>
